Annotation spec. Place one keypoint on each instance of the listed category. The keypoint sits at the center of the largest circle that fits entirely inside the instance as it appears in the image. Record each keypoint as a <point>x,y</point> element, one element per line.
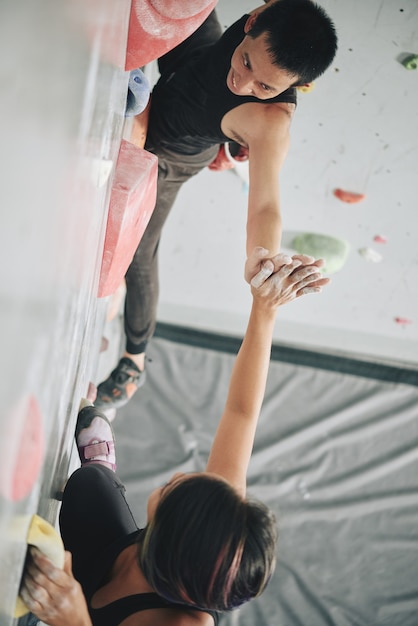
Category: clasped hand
<point>282,278</point>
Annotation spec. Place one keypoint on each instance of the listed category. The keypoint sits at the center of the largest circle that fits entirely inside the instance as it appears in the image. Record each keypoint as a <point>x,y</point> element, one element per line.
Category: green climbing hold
<point>411,62</point>
<point>334,251</point>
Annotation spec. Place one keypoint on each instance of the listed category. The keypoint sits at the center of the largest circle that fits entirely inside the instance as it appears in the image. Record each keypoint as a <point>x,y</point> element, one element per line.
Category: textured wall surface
<point>61,111</point>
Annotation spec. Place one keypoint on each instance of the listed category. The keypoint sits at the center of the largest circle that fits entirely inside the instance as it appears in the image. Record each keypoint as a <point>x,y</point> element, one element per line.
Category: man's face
<point>253,73</point>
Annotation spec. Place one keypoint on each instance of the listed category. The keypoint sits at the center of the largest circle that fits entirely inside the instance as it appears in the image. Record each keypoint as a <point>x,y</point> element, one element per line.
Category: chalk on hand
<point>43,536</point>
<point>265,272</point>
<point>307,290</point>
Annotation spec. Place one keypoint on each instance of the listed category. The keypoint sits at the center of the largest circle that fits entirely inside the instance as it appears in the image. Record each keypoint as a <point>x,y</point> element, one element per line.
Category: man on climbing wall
<point>237,86</point>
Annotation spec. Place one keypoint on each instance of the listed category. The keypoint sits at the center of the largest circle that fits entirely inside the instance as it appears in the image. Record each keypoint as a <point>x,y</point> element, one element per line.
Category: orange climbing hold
<point>348,196</point>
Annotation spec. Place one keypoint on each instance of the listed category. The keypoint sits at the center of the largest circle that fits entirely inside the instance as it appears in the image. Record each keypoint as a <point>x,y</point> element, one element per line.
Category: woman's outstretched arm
<point>234,438</point>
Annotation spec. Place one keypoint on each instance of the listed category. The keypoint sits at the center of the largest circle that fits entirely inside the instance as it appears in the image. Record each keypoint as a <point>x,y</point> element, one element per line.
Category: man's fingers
<point>280,259</point>
<point>307,290</point>
<point>265,272</point>
<point>305,259</point>
<point>286,270</point>
<point>258,254</point>
<point>300,274</point>
<point>254,262</point>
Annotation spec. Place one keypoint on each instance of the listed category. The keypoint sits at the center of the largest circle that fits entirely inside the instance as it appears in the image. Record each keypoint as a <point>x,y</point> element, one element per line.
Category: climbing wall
<point>61,115</point>
<point>76,198</point>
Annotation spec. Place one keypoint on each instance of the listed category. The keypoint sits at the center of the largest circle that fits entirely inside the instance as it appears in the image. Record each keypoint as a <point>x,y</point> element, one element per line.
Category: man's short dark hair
<point>301,37</point>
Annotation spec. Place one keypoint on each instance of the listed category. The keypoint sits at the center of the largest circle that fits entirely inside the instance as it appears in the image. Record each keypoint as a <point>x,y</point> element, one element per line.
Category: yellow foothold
<point>42,535</point>
<point>306,88</point>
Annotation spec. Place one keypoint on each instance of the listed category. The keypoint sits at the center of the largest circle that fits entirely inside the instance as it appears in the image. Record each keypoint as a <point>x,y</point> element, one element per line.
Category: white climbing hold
<point>370,255</point>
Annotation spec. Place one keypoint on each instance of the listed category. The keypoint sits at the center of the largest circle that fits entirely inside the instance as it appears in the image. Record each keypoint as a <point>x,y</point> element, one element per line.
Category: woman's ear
<point>250,22</point>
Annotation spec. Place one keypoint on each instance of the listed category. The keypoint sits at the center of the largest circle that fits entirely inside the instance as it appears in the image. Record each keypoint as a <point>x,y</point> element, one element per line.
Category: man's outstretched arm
<point>268,143</point>
<point>264,129</point>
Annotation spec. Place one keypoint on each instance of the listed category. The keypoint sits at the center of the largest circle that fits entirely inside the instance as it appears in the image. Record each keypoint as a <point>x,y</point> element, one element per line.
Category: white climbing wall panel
<point>356,130</point>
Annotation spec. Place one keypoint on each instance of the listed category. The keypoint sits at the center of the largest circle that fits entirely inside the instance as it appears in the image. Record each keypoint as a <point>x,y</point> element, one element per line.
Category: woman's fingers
<point>311,285</point>
<point>290,282</point>
<point>303,273</point>
<point>282,279</point>
<point>52,594</point>
<point>307,259</point>
<point>68,563</point>
<point>259,267</point>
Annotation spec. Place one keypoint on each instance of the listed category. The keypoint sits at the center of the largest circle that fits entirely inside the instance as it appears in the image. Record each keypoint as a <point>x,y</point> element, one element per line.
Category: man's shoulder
<point>276,113</point>
<point>251,123</point>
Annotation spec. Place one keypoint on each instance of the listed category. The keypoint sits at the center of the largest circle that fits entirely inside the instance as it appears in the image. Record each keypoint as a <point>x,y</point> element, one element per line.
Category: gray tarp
<point>336,458</point>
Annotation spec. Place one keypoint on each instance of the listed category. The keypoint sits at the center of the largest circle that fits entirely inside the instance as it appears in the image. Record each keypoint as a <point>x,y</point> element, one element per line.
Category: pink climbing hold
<point>132,203</point>
<point>157,26</point>
<point>348,196</point>
<point>24,450</point>
<point>403,321</point>
<point>380,239</point>
<point>91,392</point>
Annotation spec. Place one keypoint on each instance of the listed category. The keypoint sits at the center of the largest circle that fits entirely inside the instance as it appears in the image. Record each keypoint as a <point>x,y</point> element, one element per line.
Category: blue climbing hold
<point>138,93</point>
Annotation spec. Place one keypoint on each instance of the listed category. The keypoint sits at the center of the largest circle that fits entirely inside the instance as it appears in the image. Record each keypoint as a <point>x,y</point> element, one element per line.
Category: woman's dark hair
<point>301,37</point>
<point>208,547</point>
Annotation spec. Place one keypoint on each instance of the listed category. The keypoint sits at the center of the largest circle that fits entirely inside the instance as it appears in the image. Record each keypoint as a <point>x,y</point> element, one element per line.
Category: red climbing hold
<point>24,452</point>
<point>380,239</point>
<point>403,321</point>
<point>157,26</point>
<point>348,196</point>
<point>131,205</point>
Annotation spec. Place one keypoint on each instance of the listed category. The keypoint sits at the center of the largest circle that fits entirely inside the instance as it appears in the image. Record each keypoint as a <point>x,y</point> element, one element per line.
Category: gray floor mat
<point>336,458</point>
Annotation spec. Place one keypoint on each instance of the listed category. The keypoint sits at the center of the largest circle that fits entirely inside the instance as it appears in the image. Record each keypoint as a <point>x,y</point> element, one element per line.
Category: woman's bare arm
<point>234,438</point>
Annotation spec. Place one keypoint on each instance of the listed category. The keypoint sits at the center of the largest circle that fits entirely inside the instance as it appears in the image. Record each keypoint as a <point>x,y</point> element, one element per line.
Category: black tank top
<point>188,106</point>
<point>115,612</point>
